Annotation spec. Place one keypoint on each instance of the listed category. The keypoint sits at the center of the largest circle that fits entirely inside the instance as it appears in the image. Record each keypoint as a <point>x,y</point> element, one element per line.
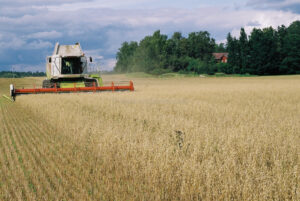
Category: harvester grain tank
<point>67,71</point>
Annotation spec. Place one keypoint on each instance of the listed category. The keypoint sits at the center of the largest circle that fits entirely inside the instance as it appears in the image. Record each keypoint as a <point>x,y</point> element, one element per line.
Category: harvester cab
<point>67,72</point>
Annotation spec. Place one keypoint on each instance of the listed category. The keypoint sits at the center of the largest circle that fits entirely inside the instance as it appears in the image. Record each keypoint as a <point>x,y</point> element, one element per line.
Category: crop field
<point>227,138</point>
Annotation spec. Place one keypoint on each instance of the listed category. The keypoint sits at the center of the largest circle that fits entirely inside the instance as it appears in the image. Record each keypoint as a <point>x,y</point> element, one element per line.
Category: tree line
<point>158,54</point>
<point>10,74</point>
<point>265,51</point>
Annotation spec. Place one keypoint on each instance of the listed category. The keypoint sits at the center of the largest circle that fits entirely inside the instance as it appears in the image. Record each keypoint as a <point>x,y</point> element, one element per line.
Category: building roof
<point>220,55</point>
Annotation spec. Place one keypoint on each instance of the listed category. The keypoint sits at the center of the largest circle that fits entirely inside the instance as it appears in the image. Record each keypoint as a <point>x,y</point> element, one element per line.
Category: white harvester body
<point>67,61</point>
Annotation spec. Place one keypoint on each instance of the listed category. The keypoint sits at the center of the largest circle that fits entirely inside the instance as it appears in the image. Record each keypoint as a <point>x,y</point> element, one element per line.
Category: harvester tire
<point>90,83</point>
<point>48,84</point>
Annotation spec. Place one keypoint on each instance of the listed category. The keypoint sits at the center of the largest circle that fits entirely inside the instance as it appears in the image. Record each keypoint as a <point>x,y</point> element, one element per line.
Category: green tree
<point>243,60</point>
<point>151,53</point>
<point>281,33</point>
<point>200,45</point>
<point>124,57</point>
<point>291,49</point>
<point>233,54</point>
<point>220,48</point>
<point>263,53</point>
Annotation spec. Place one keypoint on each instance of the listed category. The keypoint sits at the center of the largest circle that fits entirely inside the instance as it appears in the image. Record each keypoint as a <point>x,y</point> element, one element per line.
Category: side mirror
<point>49,60</point>
<point>91,59</point>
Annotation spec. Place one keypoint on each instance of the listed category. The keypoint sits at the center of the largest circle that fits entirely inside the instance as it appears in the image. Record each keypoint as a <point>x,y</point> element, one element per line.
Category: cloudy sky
<point>29,29</point>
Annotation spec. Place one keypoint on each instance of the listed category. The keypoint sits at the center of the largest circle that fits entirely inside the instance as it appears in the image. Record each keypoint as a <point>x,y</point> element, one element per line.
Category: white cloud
<point>290,5</point>
<point>96,53</point>
<point>38,45</point>
<point>26,67</point>
<point>114,4</point>
<point>224,41</point>
<point>267,19</point>
<point>45,35</point>
<point>19,43</point>
<point>13,43</point>
<point>108,64</point>
<point>39,2</point>
<point>272,3</point>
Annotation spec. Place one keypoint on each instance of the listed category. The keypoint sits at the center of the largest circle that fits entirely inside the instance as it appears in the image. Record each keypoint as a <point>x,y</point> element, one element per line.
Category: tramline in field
<point>67,72</point>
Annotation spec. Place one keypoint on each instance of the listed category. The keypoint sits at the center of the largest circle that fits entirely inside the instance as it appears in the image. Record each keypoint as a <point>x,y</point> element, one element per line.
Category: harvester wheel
<point>48,84</point>
<point>90,83</point>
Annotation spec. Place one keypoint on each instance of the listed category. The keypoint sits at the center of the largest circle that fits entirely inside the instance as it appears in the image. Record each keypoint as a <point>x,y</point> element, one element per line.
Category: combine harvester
<point>67,72</point>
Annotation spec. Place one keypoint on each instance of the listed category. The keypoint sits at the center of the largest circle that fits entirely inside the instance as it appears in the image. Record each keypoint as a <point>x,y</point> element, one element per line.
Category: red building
<point>221,57</point>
